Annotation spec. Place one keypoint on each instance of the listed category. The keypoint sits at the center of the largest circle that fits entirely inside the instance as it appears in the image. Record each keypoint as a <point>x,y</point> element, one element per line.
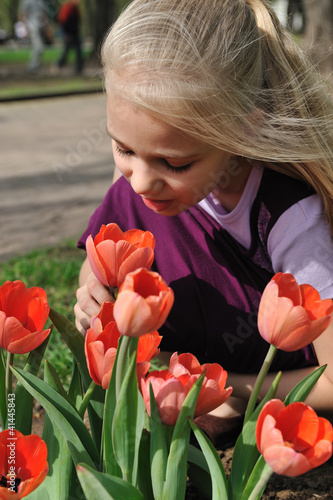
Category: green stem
<point>122,362</point>
<point>9,375</point>
<point>257,492</point>
<point>260,379</point>
<point>87,398</point>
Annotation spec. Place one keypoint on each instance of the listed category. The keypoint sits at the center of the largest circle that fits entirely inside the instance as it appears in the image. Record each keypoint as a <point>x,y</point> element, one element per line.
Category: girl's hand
<point>90,297</point>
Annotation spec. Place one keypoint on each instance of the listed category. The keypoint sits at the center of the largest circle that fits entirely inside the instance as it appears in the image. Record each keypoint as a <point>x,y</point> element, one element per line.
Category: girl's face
<point>170,171</point>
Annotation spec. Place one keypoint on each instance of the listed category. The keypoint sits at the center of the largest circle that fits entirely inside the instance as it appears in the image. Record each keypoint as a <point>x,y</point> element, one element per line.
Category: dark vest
<point>217,282</point>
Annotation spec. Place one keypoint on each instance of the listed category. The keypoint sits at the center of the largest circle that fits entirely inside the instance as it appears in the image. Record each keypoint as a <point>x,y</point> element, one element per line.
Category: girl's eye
<point>123,152</point>
<point>178,170</point>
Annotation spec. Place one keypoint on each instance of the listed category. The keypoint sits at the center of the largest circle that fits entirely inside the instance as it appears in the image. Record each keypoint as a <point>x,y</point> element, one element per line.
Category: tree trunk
<point>318,36</point>
<point>105,14</point>
<point>13,8</point>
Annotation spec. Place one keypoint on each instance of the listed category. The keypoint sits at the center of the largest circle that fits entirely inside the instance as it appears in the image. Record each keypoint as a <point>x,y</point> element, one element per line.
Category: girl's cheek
<point>122,167</point>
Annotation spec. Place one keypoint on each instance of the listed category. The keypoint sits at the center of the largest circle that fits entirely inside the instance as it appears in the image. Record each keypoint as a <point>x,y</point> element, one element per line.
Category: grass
<point>49,86</point>
<point>56,270</point>
<point>20,54</point>
<point>42,85</point>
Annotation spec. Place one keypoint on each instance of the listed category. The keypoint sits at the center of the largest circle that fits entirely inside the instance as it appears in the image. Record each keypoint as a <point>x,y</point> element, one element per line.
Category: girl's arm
<point>321,396</point>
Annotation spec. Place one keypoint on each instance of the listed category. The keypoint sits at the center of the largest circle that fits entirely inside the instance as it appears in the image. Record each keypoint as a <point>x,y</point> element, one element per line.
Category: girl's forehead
<point>136,129</point>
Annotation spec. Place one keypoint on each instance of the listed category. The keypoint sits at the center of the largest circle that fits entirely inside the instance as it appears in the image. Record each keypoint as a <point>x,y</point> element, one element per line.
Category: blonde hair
<point>227,73</point>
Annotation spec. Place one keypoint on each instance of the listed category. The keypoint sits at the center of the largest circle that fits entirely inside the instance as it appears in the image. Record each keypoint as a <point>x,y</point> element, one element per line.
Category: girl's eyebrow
<point>166,154</point>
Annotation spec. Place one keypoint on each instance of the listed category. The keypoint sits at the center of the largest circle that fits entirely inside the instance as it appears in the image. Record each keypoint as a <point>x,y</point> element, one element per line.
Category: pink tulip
<point>23,314</point>
<point>171,386</point>
<point>293,439</point>
<point>112,254</point>
<point>143,303</point>
<point>101,343</point>
<point>291,316</point>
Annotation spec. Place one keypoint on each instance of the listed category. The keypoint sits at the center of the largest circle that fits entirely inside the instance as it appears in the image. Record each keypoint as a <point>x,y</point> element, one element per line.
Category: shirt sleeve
<point>301,243</point>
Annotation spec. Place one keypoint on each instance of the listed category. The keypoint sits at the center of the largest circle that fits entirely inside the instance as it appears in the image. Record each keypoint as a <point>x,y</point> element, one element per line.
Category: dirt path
<point>55,167</point>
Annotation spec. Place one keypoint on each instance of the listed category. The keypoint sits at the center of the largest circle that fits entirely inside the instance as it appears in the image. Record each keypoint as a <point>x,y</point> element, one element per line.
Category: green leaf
<point>97,485</point>
<point>52,378</point>
<point>175,482</point>
<point>301,391</point>
<point>158,449</point>
<point>124,434</point>
<point>196,457</point>
<point>75,392</point>
<point>219,481</point>
<point>62,415</point>
<point>41,493</point>
<point>110,464</point>
<point>23,399</point>
<point>200,479</point>
<point>246,452</point>
<point>75,341</point>
<point>61,476</point>
<point>144,478</point>
<point>3,400</point>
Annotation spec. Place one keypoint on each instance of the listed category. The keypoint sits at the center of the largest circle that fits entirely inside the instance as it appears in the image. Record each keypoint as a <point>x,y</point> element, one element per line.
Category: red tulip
<point>23,314</point>
<point>291,316</point>
<point>112,254</point>
<point>293,439</point>
<point>172,386</point>
<point>23,464</point>
<point>143,303</point>
<point>101,343</point>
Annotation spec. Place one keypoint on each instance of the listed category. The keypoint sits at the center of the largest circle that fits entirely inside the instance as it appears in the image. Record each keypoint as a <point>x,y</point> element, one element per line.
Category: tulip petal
<point>271,408</point>
<point>210,398</point>
<point>267,313</point>
<point>288,287</point>
<point>109,232</point>
<point>95,355</point>
<point>148,346</point>
<point>286,461</point>
<point>111,255</point>
<point>319,453</point>
<point>94,261</point>
<point>299,425</point>
<point>141,257</point>
<point>169,399</point>
<point>140,238</point>
<point>18,340</point>
<point>303,336</point>
<point>269,436</point>
<point>133,315</point>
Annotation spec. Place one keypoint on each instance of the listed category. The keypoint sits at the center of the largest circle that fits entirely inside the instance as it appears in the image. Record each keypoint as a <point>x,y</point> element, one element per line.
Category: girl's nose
<point>145,180</point>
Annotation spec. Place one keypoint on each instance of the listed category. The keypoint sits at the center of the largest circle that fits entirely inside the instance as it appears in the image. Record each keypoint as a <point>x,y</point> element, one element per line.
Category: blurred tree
<point>318,36</point>
<point>8,14</point>
<point>105,15</point>
<point>295,7</point>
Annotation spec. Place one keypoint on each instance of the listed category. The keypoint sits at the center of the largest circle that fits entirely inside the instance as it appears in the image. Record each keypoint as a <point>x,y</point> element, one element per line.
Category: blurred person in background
<point>69,19</point>
<point>34,16</point>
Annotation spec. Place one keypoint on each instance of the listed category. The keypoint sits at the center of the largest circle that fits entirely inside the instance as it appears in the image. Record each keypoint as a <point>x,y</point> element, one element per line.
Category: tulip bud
<point>143,303</point>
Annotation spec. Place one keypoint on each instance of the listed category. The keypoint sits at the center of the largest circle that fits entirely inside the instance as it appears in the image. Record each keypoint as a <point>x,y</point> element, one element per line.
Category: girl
<point>222,134</point>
